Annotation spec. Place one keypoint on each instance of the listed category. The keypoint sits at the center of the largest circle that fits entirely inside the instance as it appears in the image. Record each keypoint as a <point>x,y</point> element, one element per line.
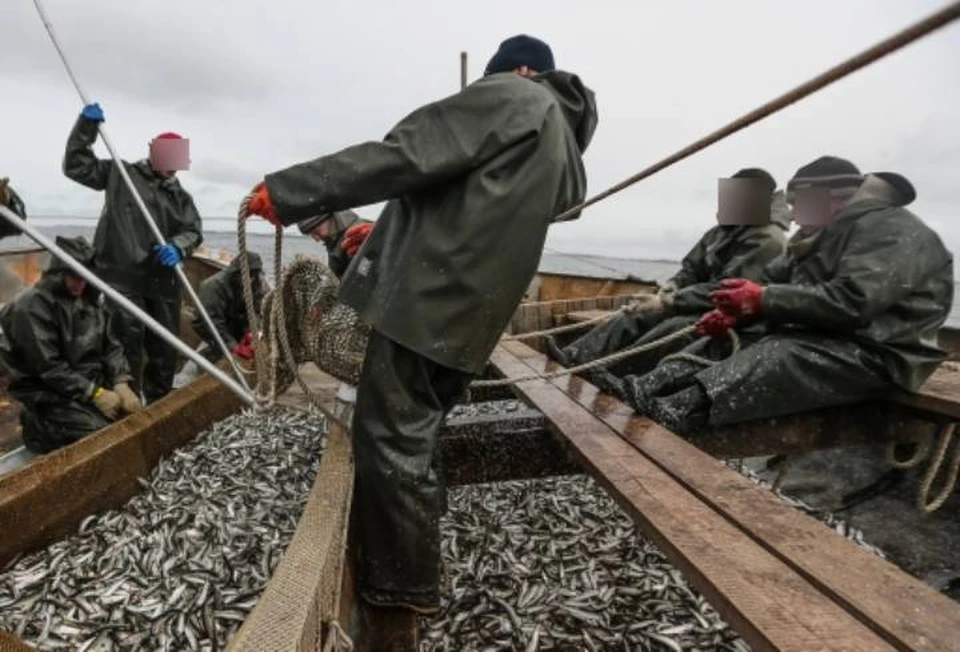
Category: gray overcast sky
<point>257,86</point>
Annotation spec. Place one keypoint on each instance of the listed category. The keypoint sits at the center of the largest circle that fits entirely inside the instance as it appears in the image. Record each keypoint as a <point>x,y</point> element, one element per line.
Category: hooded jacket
<point>123,242</point>
<point>58,346</point>
<point>473,182</point>
<point>222,297</point>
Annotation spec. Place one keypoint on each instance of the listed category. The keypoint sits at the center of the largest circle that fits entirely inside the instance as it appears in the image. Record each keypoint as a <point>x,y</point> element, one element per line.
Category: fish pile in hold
<point>183,562</point>
<point>556,565</point>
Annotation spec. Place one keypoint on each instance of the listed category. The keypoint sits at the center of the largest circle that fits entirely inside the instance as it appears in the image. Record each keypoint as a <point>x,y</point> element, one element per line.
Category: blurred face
<point>74,284</point>
<point>322,231</point>
<point>743,202</point>
<point>167,155</point>
<point>814,208</point>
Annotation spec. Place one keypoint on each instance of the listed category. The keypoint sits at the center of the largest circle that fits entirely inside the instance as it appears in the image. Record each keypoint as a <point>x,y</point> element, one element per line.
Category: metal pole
<point>127,305</point>
<point>463,70</point>
<point>181,275</point>
<point>906,36</point>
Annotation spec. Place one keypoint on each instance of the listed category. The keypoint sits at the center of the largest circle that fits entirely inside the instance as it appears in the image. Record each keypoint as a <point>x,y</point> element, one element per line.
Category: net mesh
<point>316,325</point>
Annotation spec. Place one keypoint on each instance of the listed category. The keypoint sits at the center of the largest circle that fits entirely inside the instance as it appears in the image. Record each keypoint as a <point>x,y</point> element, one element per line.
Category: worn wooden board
<point>906,612</point>
<point>295,609</point>
<point>765,600</point>
<point>940,395</point>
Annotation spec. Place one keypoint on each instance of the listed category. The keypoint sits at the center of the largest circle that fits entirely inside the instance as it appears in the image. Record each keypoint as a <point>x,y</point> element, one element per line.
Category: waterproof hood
<point>578,102</point>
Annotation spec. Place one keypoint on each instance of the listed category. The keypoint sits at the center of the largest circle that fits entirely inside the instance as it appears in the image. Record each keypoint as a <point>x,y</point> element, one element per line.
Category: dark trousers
<point>401,402</point>
<point>155,377</point>
<point>53,424</point>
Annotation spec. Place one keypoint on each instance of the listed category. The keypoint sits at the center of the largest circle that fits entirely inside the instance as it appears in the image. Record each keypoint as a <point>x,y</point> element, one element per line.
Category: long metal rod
<point>127,305</point>
<point>463,70</point>
<point>935,21</point>
<point>181,275</point>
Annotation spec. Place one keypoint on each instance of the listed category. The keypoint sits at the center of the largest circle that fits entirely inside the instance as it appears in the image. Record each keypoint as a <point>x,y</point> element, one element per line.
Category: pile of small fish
<point>556,565</point>
<point>486,408</point>
<point>182,563</point>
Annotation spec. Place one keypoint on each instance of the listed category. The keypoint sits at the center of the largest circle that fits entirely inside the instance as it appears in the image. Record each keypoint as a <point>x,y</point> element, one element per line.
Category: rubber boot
<point>683,412</point>
<point>555,353</point>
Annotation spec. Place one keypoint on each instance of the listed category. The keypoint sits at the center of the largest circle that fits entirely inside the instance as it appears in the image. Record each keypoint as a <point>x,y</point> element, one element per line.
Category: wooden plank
<point>940,395</point>
<point>906,612</point>
<point>833,427</point>
<point>294,609</point>
<point>51,495</point>
<point>768,603</point>
<point>496,455</point>
<point>10,643</point>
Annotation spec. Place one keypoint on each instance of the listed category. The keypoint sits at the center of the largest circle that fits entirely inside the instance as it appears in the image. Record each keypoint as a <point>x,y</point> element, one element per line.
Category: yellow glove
<point>129,401</point>
<point>107,402</point>
<point>5,195</point>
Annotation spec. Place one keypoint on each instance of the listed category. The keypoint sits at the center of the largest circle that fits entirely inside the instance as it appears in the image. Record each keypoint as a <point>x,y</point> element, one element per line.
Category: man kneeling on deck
<point>67,369</point>
<point>473,182</point>
<point>854,315</point>
<point>341,232</point>
<point>751,231</point>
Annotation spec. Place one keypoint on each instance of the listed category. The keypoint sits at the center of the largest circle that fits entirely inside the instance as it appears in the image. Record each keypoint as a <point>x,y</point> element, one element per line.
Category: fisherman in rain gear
<point>753,220</point>
<point>221,295</point>
<point>10,199</point>
<point>473,181</point>
<point>128,257</point>
<point>341,232</point>
<point>67,369</point>
<point>851,317</point>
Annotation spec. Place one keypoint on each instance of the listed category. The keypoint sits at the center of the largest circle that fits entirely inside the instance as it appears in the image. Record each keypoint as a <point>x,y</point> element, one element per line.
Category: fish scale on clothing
<point>181,565</point>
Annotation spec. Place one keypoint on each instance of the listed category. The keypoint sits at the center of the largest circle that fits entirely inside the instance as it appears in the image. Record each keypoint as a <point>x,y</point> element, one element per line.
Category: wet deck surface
<point>924,545</point>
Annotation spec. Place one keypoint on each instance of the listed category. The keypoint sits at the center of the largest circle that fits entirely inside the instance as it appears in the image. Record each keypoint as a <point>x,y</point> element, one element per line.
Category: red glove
<point>259,203</point>
<point>739,297</point>
<point>242,350</point>
<point>714,323</point>
<point>247,338</point>
<point>355,236</point>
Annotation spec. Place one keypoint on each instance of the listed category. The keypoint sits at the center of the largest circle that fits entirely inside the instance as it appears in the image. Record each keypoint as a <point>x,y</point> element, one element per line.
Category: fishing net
<point>304,315</point>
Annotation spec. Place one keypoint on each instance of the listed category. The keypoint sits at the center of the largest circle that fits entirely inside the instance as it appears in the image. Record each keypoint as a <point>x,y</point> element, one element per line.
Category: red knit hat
<point>168,135</point>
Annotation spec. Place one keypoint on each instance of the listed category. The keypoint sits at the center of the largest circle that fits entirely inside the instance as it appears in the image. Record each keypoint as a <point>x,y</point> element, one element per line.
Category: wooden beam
<point>766,601</point>
<point>907,613</point>
<point>496,456</point>
<point>939,396</point>
<point>296,608</point>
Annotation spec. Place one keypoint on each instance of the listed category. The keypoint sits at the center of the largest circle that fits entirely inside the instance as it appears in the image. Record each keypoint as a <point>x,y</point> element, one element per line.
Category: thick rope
<point>947,436</point>
<point>260,360</point>
<point>565,328</point>
<point>904,37</point>
<point>599,362</point>
<point>920,453</point>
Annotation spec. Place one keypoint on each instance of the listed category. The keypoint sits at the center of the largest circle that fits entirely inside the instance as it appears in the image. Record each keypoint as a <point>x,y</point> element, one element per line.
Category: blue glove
<point>168,255</point>
<point>93,112</point>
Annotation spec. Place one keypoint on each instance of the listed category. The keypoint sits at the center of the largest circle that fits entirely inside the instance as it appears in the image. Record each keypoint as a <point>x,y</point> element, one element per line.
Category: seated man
<point>67,369</point>
<point>342,233</point>
<point>751,232</point>
<point>852,317</point>
<point>222,297</point>
<point>11,200</point>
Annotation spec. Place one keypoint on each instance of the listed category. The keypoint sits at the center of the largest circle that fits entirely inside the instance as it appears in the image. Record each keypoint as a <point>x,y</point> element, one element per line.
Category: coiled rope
<point>945,437</point>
